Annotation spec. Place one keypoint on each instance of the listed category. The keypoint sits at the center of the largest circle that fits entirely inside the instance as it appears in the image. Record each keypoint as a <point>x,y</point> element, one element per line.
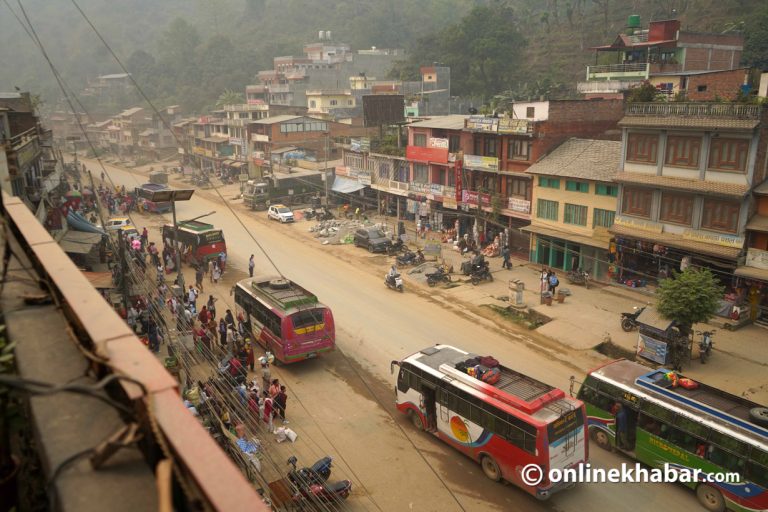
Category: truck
<point>300,186</point>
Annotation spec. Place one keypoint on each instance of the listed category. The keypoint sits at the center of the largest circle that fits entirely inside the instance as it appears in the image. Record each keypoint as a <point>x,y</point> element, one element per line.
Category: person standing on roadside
<point>216,274</point>
<point>211,306</point>
<point>222,332</point>
<point>280,402</point>
<point>505,254</point>
<point>251,265</point>
<point>553,282</point>
<point>210,271</point>
<point>266,375</point>
<point>199,277</point>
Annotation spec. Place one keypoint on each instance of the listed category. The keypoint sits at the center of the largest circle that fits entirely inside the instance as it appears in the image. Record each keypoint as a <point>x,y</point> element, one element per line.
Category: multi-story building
<point>322,102</point>
<point>701,66</point>
<point>574,199</point>
<point>755,267</point>
<point>158,140</point>
<point>686,173</point>
<point>129,123</point>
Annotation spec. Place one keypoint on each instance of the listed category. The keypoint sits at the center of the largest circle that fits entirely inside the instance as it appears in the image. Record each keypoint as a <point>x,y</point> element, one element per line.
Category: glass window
<point>547,209</point>
<point>312,103</point>
<point>642,148</point>
<point>384,170</point>
<point>491,147</point>
<point>757,473</point>
<point>549,182</point>
<point>530,112</point>
<point>637,202</point>
<point>420,140</point>
<point>720,215</point>
<point>692,427</point>
<point>577,186</point>
<point>676,208</point>
<point>420,173</point>
<point>575,214</point>
<point>729,443</point>
<point>518,149</point>
<point>657,411</point>
<point>454,143</point>
<point>517,187</point>
<point>602,218</point>
<point>683,151</point>
<point>602,189</point>
<point>728,154</point>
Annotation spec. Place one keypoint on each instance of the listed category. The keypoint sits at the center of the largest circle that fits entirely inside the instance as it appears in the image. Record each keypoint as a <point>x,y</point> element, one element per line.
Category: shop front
<point>564,251</point>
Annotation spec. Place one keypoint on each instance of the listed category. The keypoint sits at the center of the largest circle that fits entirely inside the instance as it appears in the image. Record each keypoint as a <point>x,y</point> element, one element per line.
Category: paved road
<point>343,403</point>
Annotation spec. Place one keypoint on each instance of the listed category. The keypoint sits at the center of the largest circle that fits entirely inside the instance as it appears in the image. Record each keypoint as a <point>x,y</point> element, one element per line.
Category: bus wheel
<point>416,420</point>
<point>601,438</point>
<point>490,468</point>
<point>710,498</point>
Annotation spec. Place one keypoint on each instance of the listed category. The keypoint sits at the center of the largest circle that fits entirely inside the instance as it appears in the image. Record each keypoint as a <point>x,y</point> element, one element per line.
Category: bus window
<point>684,440</point>
<point>402,380</point>
<point>649,424</point>
<point>658,412</point>
<point>757,473</point>
<point>692,427</point>
<point>725,459</point>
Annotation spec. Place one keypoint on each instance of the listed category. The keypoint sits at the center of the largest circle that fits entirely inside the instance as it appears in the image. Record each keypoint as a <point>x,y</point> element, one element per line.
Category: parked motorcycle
<point>438,276</point>
<point>578,276</point>
<point>318,472</point>
<point>705,345</point>
<point>480,273</point>
<point>396,247</point>
<point>411,258</point>
<point>313,487</point>
<point>394,282</point>
<point>629,320</point>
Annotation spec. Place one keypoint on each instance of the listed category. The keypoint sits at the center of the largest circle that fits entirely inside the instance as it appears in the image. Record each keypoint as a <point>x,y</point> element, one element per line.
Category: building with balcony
<point>755,267</point>
<point>322,102</point>
<point>685,180</point>
<point>574,199</point>
<point>698,65</point>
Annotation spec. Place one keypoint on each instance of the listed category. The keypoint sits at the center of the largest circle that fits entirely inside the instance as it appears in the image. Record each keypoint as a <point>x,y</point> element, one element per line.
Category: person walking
<point>274,388</point>
<point>280,402</point>
<point>210,270</point>
<point>199,277</point>
<point>222,332</point>
<point>222,261</point>
<point>216,274</point>
<point>192,297</point>
<point>505,254</point>
<point>544,280</point>
<point>211,306</point>
<point>269,412</point>
<point>266,375</point>
<point>251,265</point>
<point>229,319</point>
<point>553,282</point>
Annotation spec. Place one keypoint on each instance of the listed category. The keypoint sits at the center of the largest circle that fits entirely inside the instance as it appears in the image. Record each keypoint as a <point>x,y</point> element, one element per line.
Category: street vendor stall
<point>660,341</point>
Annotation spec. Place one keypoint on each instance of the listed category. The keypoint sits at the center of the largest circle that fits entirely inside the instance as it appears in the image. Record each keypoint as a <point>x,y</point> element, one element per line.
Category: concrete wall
<point>724,85</point>
<point>589,199</point>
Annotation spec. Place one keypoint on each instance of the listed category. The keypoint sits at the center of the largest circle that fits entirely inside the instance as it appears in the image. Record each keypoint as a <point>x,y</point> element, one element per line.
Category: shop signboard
<point>434,142</point>
<point>422,154</point>
<point>475,198</point>
<point>652,349</point>
<point>519,205</point>
<point>643,225</point>
<point>757,258</point>
<point>696,235</point>
<point>364,178</point>
<point>450,202</point>
<point>517,126</point>
<point>457,168</point>
<point>481,163</point>
<point>361,145</point>
<point>257,137</point>
<point>483,124</point>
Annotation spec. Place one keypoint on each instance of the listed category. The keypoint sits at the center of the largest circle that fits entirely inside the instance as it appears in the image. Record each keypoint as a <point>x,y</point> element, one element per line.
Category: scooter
<point>629,320</point>
<point>312,487</point>
<point>394,282</point>
<point>578,276</point>
<point>480,273</point>
<point>411,258</point>
<point>438,276</point>
<point>705,345</point>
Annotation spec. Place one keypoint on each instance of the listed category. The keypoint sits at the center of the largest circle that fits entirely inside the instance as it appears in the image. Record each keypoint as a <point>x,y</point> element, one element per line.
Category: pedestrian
<point>222,332</point>
<point>274,388</point>
<point>160,275</point>
<point>249,358</point>
<point>102,178</point>
<point>505,254</point>
<point>199,277</point>
<point>209,270</point>
<point>229,318</point>
<point>621,427</point>
<point>266,375</point>
<point>144,236</point>
<point>251,265</point>
<point>280,402</point>
<point>203,315</point>
<point>152,249</point>
<point>192,297</point>
<point>216,274</point>
<point>153,336</point>
<point>269,412</point>
<point>211,306</point>
<point>544,280</point>
<point>222,261</point>
<point>553,282</point>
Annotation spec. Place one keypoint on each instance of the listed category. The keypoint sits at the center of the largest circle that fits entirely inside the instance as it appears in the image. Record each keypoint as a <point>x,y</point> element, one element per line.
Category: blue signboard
<point>652,349</point>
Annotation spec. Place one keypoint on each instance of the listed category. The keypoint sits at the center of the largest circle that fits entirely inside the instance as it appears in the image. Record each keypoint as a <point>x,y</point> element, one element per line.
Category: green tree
<point>230,97</point>
<point>643,93</point>
<point>756,40</point>
<point>690,297</point>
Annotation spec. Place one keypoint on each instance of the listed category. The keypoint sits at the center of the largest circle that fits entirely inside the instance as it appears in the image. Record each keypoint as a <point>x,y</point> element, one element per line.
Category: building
<point>755,267</point>
<point>158,141</point>
<point>321,103</point>
<point>109,89</point>
<point>687,171</point>
<point>125,130</point>
<point>699,66</point>
<point>574,199</point>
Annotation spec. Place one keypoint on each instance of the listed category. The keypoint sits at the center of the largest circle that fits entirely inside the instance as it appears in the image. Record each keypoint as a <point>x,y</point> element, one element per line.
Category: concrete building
<point>574,199</point>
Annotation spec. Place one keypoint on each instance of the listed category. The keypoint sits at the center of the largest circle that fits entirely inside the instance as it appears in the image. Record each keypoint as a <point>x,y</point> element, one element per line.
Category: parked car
<point>372,239</point>
<point>115,223</point>
<point>129,231</point>
<point>280,212</point>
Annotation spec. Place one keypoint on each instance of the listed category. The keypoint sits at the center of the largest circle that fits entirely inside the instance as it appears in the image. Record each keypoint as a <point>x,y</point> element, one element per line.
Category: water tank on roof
<point>633,21</point>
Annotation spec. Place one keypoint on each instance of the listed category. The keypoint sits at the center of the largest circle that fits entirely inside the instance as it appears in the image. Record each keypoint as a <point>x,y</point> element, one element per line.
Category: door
<point>428,397</point>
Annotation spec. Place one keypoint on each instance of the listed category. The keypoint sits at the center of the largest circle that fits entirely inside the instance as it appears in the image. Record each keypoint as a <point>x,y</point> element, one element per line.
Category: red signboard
<point>457,167</point>
<point>476,198</point>
<point>420,154</point>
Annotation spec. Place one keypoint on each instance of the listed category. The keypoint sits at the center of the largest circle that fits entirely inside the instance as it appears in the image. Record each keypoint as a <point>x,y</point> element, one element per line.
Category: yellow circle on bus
<point>459,429</point>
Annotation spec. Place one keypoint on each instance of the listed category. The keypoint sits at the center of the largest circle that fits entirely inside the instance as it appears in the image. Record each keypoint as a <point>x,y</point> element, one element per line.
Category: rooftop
<point>452,122</point>
<point>581,158</point>
<point>706,187</point>
<point>114,76</point>
<point>712,116</point>
<point>275,119</point>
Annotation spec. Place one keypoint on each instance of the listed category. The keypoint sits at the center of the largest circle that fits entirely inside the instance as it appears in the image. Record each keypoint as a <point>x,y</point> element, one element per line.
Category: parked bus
<point>505,426</point>
<point>199,241</point>
<point>144,194</point>
<point>285,318</point>
<point>696,426</point>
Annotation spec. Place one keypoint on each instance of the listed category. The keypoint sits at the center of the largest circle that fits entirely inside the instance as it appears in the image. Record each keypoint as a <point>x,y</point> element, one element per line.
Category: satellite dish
<point>472,110</point>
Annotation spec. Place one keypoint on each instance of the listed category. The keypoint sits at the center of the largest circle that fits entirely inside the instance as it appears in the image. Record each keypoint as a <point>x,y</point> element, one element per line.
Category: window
<point>676,208</point>
<point>454,143</point>
<point>720,215</point>
<point>575,214</point>
<point>547,209</point>
<point>518,149</point>
<point>701,88</point>
<point>420,173</point>
<point>683,151</point>
<point>384,170</point>
<point>349,102</point>
<point>420,140</point>
<point>642,148</point>
<point>602,189</point>
<point>637,202</point>
<point>517,187</point>
<point>401,171</point>
<point>602,218</point>
<point>333,103</point>
<point>438,176</point>
<point>530,112</point>
<point>549,182</point>
<point>577,186</point>
<point>451,178</point>
<point>312,103</point>
<point>490,147</point>
<point>728,154</point>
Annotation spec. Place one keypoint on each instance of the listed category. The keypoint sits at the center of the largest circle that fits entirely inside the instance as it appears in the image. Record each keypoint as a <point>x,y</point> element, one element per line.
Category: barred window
<point>575,214</point>
<point>547,209</point>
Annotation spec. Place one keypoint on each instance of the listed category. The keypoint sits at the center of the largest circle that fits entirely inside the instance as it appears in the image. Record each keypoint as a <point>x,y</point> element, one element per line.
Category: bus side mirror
<point>392,367</point>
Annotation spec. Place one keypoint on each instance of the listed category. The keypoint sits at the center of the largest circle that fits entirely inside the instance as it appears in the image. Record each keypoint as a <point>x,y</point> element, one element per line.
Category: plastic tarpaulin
<point>346,185</point>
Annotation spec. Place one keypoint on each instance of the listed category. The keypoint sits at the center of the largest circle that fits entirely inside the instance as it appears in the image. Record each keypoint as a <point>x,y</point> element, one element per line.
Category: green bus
<point>687,428</point>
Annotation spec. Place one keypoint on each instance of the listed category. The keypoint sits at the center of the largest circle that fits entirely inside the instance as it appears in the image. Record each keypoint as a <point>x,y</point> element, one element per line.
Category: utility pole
<point>179,273</point>
<point>123,271</point>
<point>325,170</point>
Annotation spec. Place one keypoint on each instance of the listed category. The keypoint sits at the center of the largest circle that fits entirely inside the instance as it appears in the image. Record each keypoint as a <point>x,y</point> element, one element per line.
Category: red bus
<point>285,318</point>
<point>506,426</point>
<point>199,241</point>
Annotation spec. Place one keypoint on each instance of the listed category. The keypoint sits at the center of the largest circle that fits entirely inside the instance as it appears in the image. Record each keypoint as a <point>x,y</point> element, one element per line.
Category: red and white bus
<point>285,318</point>
<point>506,426</point>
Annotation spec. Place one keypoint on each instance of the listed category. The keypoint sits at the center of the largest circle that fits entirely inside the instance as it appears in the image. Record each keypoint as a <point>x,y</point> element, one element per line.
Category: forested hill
<point>190,51</point>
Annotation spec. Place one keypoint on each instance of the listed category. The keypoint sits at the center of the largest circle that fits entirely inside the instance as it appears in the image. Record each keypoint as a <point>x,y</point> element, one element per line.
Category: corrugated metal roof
<point>588,159</point>
<point>599,242</point>
<point>758,223</point>
<point>707,187</point>
<point>131,111</point>
<point>276,119</point>
<point>452,122</point>
<point>713,123</point>
<point>677,241</point>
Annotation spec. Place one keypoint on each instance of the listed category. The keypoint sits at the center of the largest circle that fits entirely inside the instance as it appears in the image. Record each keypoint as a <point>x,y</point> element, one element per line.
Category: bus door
<point>428,400</point>
<point>445,416</point>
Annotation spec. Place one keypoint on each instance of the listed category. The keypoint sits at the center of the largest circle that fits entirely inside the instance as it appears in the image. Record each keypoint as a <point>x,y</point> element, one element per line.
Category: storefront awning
<point>237,165</point>
<point>752,273</point>
<point>571,237</point>
<point>79,242</point>
<point>346,185</point>
<point>677,241</point>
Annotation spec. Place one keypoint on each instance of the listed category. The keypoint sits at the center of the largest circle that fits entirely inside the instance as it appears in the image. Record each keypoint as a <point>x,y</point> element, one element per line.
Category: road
<point>343,404</point>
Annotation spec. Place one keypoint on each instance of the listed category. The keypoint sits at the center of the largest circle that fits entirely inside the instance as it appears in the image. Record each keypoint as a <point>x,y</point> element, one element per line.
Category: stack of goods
<point>484,368</point>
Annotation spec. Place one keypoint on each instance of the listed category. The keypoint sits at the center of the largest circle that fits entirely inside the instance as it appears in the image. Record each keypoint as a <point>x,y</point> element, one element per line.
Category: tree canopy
<point>690,297</point>
<point>756,40</point>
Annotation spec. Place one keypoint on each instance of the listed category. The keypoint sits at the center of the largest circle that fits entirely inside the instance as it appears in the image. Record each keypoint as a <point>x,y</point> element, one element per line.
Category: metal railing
<point>732,110</point>
<point>618,70</point>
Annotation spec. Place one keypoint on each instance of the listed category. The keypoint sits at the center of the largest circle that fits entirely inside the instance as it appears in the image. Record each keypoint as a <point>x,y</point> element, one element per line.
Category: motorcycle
<point>394,282</point>
<point>313,487</point>
<point>629,320</point>
<point>318,472</point>
<point>480,273</point>
<point>397,246</point>
<point>411,258</point>
<point>578,276</point>
<point>438,276</point>
<point>705,345</point>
